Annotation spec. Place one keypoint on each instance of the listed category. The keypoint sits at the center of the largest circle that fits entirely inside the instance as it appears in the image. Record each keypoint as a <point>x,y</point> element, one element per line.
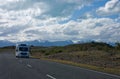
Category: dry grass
<point>96,68</point>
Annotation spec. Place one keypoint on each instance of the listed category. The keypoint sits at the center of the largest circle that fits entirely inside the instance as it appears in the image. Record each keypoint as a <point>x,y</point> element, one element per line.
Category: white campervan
<point>22,50</point>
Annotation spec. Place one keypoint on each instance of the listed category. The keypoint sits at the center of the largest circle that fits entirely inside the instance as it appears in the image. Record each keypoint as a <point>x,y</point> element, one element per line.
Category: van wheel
<point>16,56</point>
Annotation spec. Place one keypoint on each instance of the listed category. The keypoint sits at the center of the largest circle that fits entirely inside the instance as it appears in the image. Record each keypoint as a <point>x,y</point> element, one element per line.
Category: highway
<point>29,68</point>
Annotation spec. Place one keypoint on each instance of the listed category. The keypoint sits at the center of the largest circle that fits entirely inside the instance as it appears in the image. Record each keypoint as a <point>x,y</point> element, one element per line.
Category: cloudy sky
<point>59,20</point>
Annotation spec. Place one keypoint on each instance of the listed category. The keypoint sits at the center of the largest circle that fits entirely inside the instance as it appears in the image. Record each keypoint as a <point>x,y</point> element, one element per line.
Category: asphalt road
<point>21,68</point>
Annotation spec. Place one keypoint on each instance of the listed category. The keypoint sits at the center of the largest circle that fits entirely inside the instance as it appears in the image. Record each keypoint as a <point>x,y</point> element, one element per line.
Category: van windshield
<point>23,48</point>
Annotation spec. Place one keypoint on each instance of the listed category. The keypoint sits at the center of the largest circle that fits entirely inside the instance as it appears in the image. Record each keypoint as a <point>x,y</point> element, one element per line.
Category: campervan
<point>22,50</point>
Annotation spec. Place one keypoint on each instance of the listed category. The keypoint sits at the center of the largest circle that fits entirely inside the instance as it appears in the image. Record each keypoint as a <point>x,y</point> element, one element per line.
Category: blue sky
<point>59,20</point>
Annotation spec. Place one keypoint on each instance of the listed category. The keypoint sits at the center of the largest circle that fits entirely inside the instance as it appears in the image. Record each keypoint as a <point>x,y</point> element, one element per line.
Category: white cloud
<point>94,29</point>
<point>103,29</point>
<point>26,20</point>
<point>111,7</point>
<point>11,10</point>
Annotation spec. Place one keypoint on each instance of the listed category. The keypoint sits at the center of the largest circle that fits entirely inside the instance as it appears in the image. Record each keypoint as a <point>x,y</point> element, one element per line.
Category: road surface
<point>21,68</point>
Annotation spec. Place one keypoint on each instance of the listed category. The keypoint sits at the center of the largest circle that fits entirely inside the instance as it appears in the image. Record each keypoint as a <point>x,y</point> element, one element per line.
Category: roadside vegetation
<point>94,55</point>
<point>7,49</point>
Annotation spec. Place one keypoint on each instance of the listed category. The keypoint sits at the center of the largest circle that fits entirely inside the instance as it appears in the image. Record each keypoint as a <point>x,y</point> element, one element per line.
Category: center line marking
<point>50,76</point>
<point>29,65</point>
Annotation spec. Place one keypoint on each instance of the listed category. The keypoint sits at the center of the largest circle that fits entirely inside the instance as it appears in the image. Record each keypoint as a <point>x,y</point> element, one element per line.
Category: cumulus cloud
<point>103,29</point>
<point>26,20</point>
<point>66,7</point>
<point>111,7</point>
<point>39,9</point>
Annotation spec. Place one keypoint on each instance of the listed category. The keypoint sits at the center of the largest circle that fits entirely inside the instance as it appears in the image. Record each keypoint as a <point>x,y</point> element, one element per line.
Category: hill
<point>98,55</point>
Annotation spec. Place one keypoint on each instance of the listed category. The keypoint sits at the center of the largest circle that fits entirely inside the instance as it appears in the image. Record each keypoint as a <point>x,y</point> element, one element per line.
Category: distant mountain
<point>48,43</point>
<point>111,43</point>
<point>36,43</point>
<point>43,43</point>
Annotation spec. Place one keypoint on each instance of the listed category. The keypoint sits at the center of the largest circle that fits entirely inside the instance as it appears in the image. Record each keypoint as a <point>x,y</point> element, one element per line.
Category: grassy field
<point>8,49</point>
<point>96,56</point>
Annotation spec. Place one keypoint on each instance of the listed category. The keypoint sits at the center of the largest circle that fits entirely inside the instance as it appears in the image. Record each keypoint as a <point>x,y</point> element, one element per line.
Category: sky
<point>60,20</point>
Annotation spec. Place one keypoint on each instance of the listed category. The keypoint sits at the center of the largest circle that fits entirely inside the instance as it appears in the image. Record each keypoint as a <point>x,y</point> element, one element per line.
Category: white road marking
<point>29,65</point>
<point>50,76</point>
